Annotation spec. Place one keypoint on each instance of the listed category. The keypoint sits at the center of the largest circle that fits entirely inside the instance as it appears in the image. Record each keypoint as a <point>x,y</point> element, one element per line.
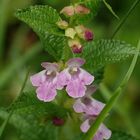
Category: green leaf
<point>110,9</point>
<point>93,129</point>
<point>101,52</point>
<point>33,118</point>
<point>42,19</point>
<point>121,136</point>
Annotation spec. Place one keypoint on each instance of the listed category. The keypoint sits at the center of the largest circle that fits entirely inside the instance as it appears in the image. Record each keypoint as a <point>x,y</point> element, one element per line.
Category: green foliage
<point>43,21</point>
<point>101,52</point>
<point>121,136</point>
<point>33,118</point>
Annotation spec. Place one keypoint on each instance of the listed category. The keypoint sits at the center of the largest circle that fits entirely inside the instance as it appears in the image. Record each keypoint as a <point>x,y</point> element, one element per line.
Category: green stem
<point>93,129</point>
<point>2,128</point>
<point>119,109</point>
<point>125,17</point>
<point>8,72</point>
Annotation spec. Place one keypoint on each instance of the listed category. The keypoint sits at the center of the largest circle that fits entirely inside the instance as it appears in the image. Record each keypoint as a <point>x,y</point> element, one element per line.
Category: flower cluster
<point>76,81</point>
<point>73,77</point>
<point>91,108</point>
<point>75,33</point>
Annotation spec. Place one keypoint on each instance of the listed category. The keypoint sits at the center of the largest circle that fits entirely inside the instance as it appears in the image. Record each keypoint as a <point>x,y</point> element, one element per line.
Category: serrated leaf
<point>121,136</point>
<point>101,52</point>
<point>42,19</point>
<point>33,118</point>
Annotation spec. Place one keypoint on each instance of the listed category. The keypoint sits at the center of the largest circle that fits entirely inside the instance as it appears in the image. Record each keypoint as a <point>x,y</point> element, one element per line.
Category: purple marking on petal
<point>94,108</point>
<point>46,92</point>
<point>38,79</point>
<point>86,77</point>
<point>85,126</point>
<point>75,88</point>
<point>76,62</point>
<point>79,106</point>
<point>50,66</point>
<point>102,133</point>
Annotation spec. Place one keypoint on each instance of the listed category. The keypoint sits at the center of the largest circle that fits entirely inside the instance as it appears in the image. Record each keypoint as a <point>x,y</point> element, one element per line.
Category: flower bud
<point>81,9</point>
<point>70,32</point>
<point>62,24</point>
<point>88,35</point>
<point>58,121</point>
<point>84,33</point>
<point>68,11</point>
<point>75,45</point>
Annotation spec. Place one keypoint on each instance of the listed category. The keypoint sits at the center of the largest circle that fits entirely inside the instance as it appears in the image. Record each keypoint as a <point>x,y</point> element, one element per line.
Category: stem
<point>119,109</point>
<point>125,17</point>
<point>93,129</point>
<point>2,128</point>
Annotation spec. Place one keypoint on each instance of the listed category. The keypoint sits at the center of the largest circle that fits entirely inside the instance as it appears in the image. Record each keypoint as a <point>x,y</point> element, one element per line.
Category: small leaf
<point>42,19</point>
<point>110,9</point>
<point>101,52</point>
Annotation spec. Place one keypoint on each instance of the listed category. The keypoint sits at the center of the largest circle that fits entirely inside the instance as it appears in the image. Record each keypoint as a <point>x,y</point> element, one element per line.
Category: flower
<point>75,78</point>
<point>75,45</point>
<point>70,32</point>
<point>87,104</point>
<point>62,24</point>
<point>46,82</point>
<point>84,32</point>
<point>81,9</point>
<point>102,133</point>
<point>68,11</point>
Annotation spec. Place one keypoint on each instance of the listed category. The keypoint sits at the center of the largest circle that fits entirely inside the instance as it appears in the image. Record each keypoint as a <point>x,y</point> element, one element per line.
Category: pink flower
<point>81,9</point>
<point>68,11</point>
<point>84,33</point>
<point>46,82</point>
<point>75,45</point>
<point>75,78</point>
<point>87,104</point>
<point>102,133</point>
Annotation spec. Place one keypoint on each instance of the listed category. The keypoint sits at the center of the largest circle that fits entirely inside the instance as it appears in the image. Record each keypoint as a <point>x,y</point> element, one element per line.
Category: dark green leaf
<point>33,118</point>
<point>101,52</point>
<point>43,21</point>
<point>121,136</point>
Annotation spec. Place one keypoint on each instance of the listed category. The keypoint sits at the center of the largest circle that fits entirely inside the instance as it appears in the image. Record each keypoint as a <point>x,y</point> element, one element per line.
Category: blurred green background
<point>19,50</point>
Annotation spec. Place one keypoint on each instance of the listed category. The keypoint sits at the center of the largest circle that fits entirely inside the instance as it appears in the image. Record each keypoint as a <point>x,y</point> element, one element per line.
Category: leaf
<point>42,19</point>
<point>110,9</point>
<point>121,136</point>
<point>33,118</point>
<point>101,52</point>
<point>94,127</point>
